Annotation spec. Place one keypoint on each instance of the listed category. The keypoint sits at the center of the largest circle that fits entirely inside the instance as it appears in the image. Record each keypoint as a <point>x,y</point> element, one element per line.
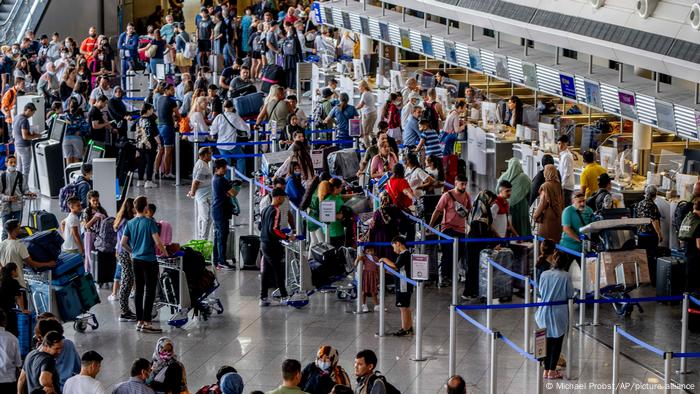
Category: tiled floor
<point>255,340</point>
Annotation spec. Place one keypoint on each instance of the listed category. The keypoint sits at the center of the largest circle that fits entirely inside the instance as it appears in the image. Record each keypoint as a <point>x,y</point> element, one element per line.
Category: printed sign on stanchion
<point>541,343</point>
<point>355,128</point>
<point>317,158</point>
<point>419,266</point>
<point>327,213</point>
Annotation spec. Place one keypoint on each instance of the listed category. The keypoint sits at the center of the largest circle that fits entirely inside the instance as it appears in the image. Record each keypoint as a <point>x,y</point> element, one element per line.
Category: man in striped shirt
<point>429,139</point>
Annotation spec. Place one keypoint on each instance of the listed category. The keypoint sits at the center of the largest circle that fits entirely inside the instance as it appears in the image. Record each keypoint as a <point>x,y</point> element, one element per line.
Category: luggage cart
<point>174,293</point>
<point>42,304</point>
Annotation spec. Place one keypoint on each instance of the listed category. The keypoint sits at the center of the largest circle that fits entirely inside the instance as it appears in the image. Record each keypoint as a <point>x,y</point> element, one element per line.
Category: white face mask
<point>323,365</point>
<point>11,168</point>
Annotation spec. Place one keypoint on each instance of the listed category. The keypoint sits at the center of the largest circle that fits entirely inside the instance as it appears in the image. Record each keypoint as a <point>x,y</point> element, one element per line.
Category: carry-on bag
<point>44,245</point>
<point>68,267</point>
<point>249,105</point>
<point>502,282</point>
<point>104,265</point>
<point>249,250</point>
<point>43,220</point>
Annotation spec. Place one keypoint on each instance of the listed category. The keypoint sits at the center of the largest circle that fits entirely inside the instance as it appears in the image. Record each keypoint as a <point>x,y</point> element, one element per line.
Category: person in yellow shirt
<point>590,174</point>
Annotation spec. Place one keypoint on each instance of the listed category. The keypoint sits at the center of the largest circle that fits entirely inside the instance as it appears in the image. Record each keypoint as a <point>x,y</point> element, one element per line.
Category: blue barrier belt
<point>516,347</point>
<point>476,324</point>
<point>641,343</point>
<point>134,98</point>
<point>254,122</point>
<point>511,273</point>
<point>234,144</point>
<point>434,231</point>
<point>629,300</point>
<point>695,300</point>
<point>330,142</point>
<point>318,131</point>
<point>238,156</point>
<point>448,184</point>
<point>499,240</point>
<point>510,306</point>
<point>238,174</point>
<point>306,216</point>
<point>266,188</point>
<point>398,275</point>
<point>576,253</point>
<point>686,355</point>
<point>412,243</point>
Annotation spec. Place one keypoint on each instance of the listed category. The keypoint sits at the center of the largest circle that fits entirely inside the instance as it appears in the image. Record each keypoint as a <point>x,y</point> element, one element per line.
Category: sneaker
<point>113,297</point>
<point>151,329</point>
<point>284,301</point>
<point>139,183</point>
<point>225,267</point>
<point>168,177</point>
<point>150,185</point>
<point>377,308</point>
<point>365,309</point>
<point>139,326</point>
<point>127,317</point>
<point>264,302</point>
<point>401,333</point>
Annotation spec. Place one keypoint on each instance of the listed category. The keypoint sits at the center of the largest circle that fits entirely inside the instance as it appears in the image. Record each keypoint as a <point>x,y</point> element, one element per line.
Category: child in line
<point>90,220</point>
<point>370,277</point>
<point>10,296</point>
<point>404,290</point>
<point>70,228</point>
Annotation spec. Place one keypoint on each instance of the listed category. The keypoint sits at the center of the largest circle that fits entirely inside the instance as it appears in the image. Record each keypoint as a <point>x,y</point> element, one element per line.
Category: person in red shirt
<point>87,47</point>
<point>398,188</point>
<point>453,207</point>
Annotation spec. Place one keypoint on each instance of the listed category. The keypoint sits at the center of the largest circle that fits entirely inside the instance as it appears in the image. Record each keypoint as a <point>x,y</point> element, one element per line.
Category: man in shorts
<point>167,115</point>
<point>205,28</point>
<point>404,290</point>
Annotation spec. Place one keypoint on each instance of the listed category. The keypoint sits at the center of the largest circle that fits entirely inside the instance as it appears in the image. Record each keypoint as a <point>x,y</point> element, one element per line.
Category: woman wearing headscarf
<point>168,374</point>
<point>649,235</point>
<point>231,383</point>
<point>320,376</point>
<point>548,212</point>
<point>385,225</point>
<point>519,197</point>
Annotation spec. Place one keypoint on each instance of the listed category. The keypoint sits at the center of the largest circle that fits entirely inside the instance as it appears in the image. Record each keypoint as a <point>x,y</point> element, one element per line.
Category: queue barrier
<point>237,156</point>
<point>331,142</point>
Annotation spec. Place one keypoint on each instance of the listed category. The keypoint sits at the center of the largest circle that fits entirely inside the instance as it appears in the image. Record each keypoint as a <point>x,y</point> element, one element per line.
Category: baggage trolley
<point>42,304</point>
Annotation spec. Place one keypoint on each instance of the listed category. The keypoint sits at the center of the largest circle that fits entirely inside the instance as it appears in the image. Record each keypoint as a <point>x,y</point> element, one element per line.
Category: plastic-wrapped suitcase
<point>104,264</point>
<point>25,328</point>
<point>249,250</point>
<point>249,105</point>
<point>502,283</point>
<point>522,261</point>
<point>344,163</point>
<point>43,220</point>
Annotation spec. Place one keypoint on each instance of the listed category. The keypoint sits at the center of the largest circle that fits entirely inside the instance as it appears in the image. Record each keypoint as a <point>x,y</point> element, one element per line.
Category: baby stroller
<point>623,267</point>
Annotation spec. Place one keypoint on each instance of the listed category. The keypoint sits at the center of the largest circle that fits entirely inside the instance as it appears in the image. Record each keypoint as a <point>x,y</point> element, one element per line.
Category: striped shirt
<point>133,386</point>
<point>432,142</point>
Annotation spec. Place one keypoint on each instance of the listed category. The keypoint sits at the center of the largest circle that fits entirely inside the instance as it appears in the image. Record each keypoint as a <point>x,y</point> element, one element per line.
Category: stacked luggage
<point>344,163</point>
<point>502,282</point>
<point>326,264</point>
<point>248,106</point>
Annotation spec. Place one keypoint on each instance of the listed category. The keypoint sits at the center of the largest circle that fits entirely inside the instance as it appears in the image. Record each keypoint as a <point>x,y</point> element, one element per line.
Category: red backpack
<point>209,389</point>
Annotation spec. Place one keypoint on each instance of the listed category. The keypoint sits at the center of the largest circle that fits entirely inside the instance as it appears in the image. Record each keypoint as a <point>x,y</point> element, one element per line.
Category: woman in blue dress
<point>554,285</point>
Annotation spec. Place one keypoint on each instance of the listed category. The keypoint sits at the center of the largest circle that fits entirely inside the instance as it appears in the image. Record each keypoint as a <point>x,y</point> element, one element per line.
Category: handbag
<point>151,51</point>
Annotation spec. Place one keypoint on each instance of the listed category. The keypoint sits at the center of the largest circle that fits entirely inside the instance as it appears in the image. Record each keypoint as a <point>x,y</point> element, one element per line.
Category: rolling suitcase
<point>68,267</point>
<point>522,261</point>
<point>249,251</point>
<point>323,253</point>
<point>65,300</point>
<point>344,163</point>
<point>502,283</point>
<point>25,328</point>
<point>87,292</point>
<point>242,91</point>
<point>216,63</point>
<point>249,105</point>
<point>44,245</point>
<point>104,264</point>
<point>231,246</point>
<point>43,220</point>
<point>272,74</point>
<point>670,276</point>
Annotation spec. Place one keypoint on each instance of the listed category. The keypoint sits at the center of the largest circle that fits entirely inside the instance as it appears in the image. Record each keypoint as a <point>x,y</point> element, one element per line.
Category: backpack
<point>106,237</point>
<point>66,192</point>
<point>682,210</point>
<point>388,387</point>
<point>596,199</point>
<point>209,389</point>
<point>430,114</point>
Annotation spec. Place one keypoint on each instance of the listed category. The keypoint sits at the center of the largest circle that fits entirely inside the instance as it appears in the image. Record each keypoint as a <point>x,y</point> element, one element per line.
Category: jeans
<point>203,204</point>
<point>273,272</point>
<point>146,279</point>
<point>446,266</point>
<point>125,67</point>
<point>229,55</point>
<point>239,163</point>
<point>24,162</point>
<point>220,240</point>
<point>12,215</point>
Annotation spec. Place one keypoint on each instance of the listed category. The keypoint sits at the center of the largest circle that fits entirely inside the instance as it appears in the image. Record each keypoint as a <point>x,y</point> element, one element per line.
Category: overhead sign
<point>450,52</point>
<point>568,86</point>
<point>384,32</point>
<point>355,128</point>
<point>329,15</point>
<point>530,75</point>
<point>501,66</point>
<point>664,116</point>
<point>405,38</point>
<point>427,45</point>
<point>346,21</point>
<point>419,267</point>
<point>628,106</point>
<point>592,94</point>
<point>475,59</point>
<point>316,12</point>
<point>364,24</point>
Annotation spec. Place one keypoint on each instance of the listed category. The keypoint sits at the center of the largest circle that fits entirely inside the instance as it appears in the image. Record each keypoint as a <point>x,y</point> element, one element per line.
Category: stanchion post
<point>382,290</point>
<point>668,358</point>
<point>256,147</point>
<point>302,249</point>
<point>489,291</point>
<point>526,325</point>
<point>455,269</point>
<point>360,268</point>
<point>616,357</point>
<point>540,372</point>
<point>582,295</point>
<point>596,280</point>
<point>177,160</point>
<point>453,341</point>
<point>535,252</point>
<point>251,204</point>
<point>684,333</point>
<point>419,321</point>
<point>492,362</point>
<point>569,358</point>
<point>327,234</point>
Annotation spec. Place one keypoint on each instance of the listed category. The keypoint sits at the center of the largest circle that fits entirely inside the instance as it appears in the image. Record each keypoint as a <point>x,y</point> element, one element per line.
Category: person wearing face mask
<point>49,84</point>
<point>321,375</point>
<point>117,111</point>
<point>63,63</point>
<point>392,115</point>
<point>292,51</point>
<point>167,374</point>
<point>87,47</point>
<point>12,190</point>
<point>294,187</point>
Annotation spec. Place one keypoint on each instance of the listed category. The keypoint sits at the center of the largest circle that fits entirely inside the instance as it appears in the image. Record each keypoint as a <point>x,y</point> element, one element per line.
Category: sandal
<point>554,375</point>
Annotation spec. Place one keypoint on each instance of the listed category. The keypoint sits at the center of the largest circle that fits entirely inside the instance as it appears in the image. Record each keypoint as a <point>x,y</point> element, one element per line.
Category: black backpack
<point>430,115</point>
<point>682,210</point>
<point>388,387</point>
<point>597,197</point>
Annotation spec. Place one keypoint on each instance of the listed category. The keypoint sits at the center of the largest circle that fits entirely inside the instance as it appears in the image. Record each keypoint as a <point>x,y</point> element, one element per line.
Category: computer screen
<point>96,150</point>
<point>57,129</point>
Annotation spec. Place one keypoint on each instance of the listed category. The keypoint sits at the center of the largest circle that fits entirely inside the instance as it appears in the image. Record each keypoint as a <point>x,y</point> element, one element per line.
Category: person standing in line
<point>365,367</point>
<point>39,371</point>
<point>140,371</point>
<point>456,385</point>
<point>554,285</point>
<point>291,377</point>
<point>566,168</point>
<point>12,361</point>
<point>85,382</point>
<point>228,127</point>
<point>368,111</point>
<point>12,191</point>
<point>272,250</point>
<point>221,212</point>
<point>126,213</point>
<point>404,290</point>
<point>575,216</point>
<point>500,211</point>
<point>128,45</point>
<point>520,194</point>
<point>649,236</point>
<point>140,239</point>
<point>167,116</point>
<point>23,137</point>
<point>538,180</point>
<point>201,192</point>
<point>548,212</point>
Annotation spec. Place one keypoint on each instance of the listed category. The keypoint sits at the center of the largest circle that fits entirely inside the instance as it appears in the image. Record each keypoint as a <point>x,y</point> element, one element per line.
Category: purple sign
<point>697,119</point>
<point>628,106</point>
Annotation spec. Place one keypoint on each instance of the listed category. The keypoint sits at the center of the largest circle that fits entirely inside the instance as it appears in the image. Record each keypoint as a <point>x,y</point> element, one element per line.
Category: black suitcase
<point>324,273</point>
<point>43,220</point>
<point>323,253</point>
<point>249,250</point>
<point>242,91</point>
<point>272,74</point>
<point>670,276</point>
<point>104,264</point>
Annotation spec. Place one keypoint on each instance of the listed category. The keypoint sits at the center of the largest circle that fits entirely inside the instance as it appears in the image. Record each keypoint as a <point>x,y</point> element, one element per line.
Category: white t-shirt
<point>83,384</point>
<point>452,122</point>
<point>14,251</point>
<point>98,91</point>
<point>72,220</point>
<point>500,221</point>
<point>415,178</point>
<point>202,173</point>
<point>566,169</point>
<point>370,103</point>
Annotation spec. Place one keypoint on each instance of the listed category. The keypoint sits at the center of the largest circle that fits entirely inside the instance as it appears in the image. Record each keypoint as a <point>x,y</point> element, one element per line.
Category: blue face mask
<point>297,173</point>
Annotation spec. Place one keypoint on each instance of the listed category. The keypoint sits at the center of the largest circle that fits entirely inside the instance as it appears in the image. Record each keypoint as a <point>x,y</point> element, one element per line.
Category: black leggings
<point>146,280</point>
<point>146,163</point>
<point>553,352</point>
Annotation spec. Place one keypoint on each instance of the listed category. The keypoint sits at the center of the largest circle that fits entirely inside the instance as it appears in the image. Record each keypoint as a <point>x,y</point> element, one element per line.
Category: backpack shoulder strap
<point>14,184</point>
